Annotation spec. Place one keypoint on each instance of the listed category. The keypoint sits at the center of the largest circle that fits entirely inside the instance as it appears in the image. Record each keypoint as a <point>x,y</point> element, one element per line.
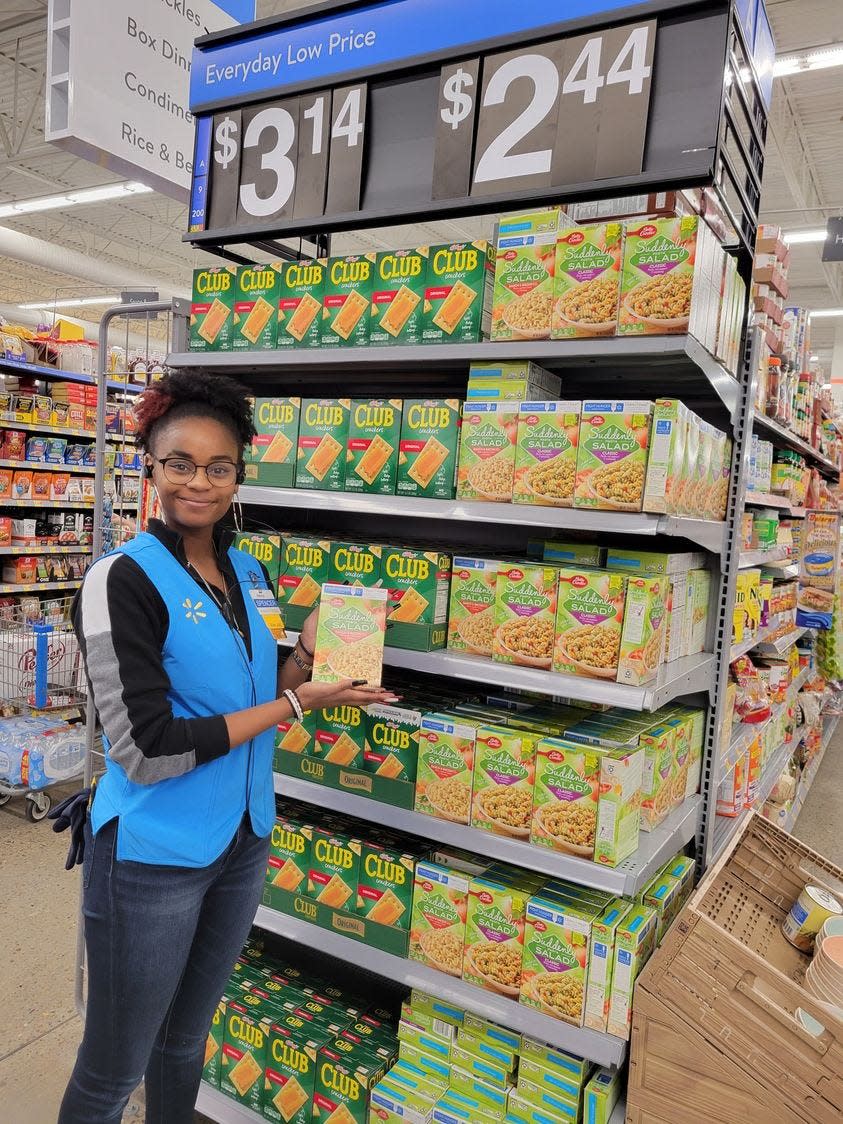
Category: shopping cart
<point>41,677</point>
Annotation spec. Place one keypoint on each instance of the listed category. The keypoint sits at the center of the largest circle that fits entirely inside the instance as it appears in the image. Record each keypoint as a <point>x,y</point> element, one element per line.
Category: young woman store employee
<point>184,673</point>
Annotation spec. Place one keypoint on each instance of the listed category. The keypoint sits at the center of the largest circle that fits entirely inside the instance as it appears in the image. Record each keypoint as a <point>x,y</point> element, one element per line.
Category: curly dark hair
<point>195,394</point>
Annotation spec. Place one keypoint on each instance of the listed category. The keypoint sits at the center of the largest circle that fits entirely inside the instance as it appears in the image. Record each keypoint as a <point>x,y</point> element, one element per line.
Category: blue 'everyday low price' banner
<point>375,35</point>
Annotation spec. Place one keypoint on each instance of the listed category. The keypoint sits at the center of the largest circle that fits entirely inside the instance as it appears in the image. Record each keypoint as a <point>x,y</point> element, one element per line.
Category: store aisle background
<point>41,1030</point>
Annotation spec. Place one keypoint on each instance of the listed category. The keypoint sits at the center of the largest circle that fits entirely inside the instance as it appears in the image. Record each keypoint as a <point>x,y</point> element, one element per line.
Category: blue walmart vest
<point>189,820</point>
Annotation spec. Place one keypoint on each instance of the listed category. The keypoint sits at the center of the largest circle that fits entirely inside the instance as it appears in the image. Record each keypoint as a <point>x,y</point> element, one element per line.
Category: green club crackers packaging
<point>290,1075</point>
<point>342,1087</point>
<point>271,458</point>
<point>266,549</point>
<point>374,433</point>
<point>305,565</point>
<point>385,886</point>
<point>323,435</point>
<point>427,461</point>
<point>212,308</point>
<point>346,300</point>
<point>256,308</point>
<point>392,742</point>
<point>398,296</point>
<point>457,304</point>
<point>418,583</point>
<point>300,303</point>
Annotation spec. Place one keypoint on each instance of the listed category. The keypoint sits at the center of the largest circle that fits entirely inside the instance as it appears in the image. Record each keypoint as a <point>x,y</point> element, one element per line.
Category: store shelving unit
<point>830,725</point>
<point>785,438</point>
<point>40,587</point>
<point>656,846</point>
<point>65,431</point>
<point>744,732</point>
<point>15,550</point>
<point>55,374</point>
<point>751,558</point>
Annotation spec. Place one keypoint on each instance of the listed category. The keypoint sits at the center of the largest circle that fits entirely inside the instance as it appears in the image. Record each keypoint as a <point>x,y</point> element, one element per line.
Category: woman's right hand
<point>319,696</point>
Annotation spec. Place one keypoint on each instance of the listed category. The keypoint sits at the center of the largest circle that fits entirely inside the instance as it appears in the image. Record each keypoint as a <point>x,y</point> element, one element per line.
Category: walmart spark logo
<point>193,612</point>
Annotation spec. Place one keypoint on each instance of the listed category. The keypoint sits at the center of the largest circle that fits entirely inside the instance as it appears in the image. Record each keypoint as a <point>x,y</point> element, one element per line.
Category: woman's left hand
<point>308,631</point>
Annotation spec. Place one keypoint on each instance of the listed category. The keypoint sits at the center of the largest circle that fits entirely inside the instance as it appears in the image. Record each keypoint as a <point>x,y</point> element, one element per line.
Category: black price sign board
<point>833,247</point>
<point>577,113</point>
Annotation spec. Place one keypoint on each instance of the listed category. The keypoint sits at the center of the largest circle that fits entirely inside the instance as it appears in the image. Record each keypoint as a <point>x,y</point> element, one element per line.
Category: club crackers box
<point>398,296</point>
<point>213,1044</point>
<point>340,735</point>
<point>271,458</point>
<point>212,308</point>
<point>334,869</point>
<point>289,856</point>
<point>392,742</point>
<point>418,584</point>
<point>341,1093</point>
<point>300,303</point>
<point>346,300</point>
<point>458,295</point>
<point>264,548</point>
<point>305,565</point>
<point>322,440</point>
<point>385,885</point>
<point>244,1052</point>
<point>290,1074</point>
<point>427,460</point>
<point>374,432</point>
<point>354,563</point>
<point>256,307</point>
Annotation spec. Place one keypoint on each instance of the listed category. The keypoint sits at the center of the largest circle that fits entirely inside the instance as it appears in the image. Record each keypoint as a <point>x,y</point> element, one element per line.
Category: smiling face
<point>197,504</point>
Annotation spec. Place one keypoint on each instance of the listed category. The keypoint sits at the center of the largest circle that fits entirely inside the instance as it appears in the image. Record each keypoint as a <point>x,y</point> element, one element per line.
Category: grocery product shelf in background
<point>829,728</point>
<point>65,431</point>
<point>655,847</point>
<point>751,642</point>
<point>761,557</point>
<point>40,587</point>
<point>63,549</point>
<point>783,436</point>
<point>744,732</point>
<point>605,1049</point>
<point>687,676</point>
<point>704,532</point>
<point>780,646</point>
<point>225,1110</point>
<point>37,371</point>
<point>659,362</point>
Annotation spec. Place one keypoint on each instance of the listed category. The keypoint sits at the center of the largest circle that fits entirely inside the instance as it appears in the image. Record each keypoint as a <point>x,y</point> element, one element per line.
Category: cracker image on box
<point>350,634</point>
<point>346,300</point>
<point>398,293</point>
<point>271,458</point>
<point>612,455</point>
<point>212,309</point>
<point>300,303</point>
<point>374,433</point>
<point>392,742</point>
<point>458,292</point>
<point>305,565</point>
<point>546,453</point>
<point>334,869</point>
<point>256,307</point>
<point>589,621</point>
<point>427,460</point>
<point>385,885</point>
<point>487,451</point>
<point>323,434</point>
<point>418,583</point>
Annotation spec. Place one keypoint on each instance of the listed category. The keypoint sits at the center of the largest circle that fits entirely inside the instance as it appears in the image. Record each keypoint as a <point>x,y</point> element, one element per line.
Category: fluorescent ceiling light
<point>813,358</point>
<point>72,198</point>
<point>796,237</point>
<point>822,313</point>
<point>810,60</point>
<point>48,304</point>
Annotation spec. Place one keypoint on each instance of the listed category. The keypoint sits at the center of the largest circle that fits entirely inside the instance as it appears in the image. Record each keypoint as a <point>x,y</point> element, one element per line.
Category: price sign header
<point>376,36</point>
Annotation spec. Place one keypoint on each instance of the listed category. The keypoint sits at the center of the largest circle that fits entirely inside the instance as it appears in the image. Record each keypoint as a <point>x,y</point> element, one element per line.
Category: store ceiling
<point>802,184</point>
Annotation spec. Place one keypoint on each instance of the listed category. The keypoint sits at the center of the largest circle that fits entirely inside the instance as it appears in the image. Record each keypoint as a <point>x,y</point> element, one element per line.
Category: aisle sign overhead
<point>118,83</point>
<point>390,111</point>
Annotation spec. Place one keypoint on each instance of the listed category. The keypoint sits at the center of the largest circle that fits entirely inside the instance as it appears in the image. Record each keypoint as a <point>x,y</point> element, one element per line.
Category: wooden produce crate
<point>714,1036</point>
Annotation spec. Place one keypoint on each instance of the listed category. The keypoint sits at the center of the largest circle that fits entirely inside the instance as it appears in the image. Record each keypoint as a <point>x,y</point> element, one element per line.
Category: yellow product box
<point>305,565</point>
<point>504,772</point>
<point>391,1103</point>
<point>555,962</point>
<point>438,1072</point>
<point>644,628</point>
<point>346,300</point>
<point>699,586</point>
<point>488,1050</point>
<point>418,585</point>
<point>443,1012</point>
<point>487,1070</point>
<point>551,1058</point>
<point>427,457</point>
<point>398,296</point>
<point>350,634</point>
<point>486,1094</point>
<point>525,263</point>
<point>663,484</point>
<point>427,1041</point>
<point>289,855</point>
<point>290,1074</point>
<point>546,453</point>
<point>589,622</point>
<point>525,1106</point>
<point>664,895</point>
<point>612,454</point>
<point>271,458</point>
<point>428,1021</point>
<point>587,279</point>
<point>354,563</point>
<point>339,735</point>
<point>374,433</point>
<point>445,768</point>
<point>494,935</point>
<point>323,436</point>
<point>392,742</point>
<point>334,871</point>
<point>657,786</point>
<point>385,885</point>
<point>532,1073</point>
<point>457,1108</point>
<point>525,614</point>
<point>341,1090</point>
<point>478,1027</point>
<point>256,293</point>
<point>300,303</point>
<point>212,308</point>
<point>602,1093</point>
<point>619,806</point>
<point>635,940</point>
<point>516,379</point>
<point>458,294</point>
<point>471,616</point>
<point>487,451</point>
<point>695,728</point>
<point>601,962</point>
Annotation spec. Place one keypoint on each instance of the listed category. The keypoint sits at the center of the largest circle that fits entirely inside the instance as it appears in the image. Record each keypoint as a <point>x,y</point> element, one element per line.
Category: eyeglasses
<point>180,471</point>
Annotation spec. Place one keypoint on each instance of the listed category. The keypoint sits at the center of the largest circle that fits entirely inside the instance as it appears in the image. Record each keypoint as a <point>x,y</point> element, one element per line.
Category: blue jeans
<point>161,943</point>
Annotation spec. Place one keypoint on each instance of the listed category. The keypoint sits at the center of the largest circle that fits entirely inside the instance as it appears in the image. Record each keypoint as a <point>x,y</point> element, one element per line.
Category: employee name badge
<point>269,610</point>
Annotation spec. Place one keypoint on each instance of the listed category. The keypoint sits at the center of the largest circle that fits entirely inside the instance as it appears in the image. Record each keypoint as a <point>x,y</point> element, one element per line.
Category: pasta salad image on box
<point>612,455</point>
<point>350,634</point>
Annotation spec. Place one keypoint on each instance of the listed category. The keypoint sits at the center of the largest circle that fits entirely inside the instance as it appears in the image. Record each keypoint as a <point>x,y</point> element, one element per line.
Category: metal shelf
<point>705,533</point>
<point>73,469</point>
<point>39,587</point>
<point>605,1049</point>
<point>762,557</point>
<point>44,550</point>
<point>790,440</point>
<point>38,371</point>
<point>744,732</point>
<point>753,641</point>
<point>810,774</point>
<point>767,499</point>
<point>656,360</point>
<point>780,646</point>
<point>687,676</point>
<point>654,850</point>
<point>64,431</point>
<point>725,827</point>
